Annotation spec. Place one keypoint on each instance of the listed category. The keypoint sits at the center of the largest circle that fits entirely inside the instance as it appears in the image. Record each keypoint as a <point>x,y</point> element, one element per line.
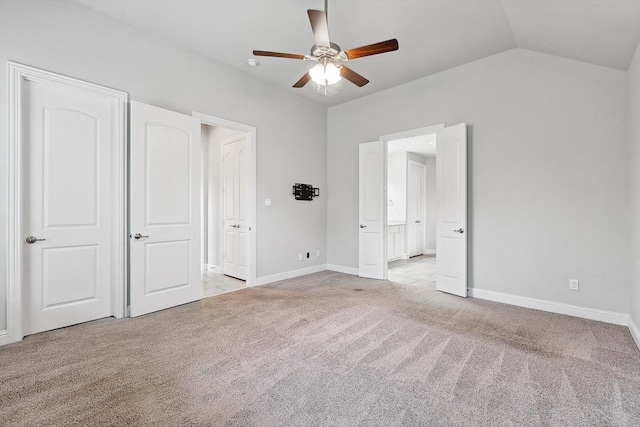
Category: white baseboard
<point>289,274</point>
<point>635,332</point>
<point>342,269</point>
<point>553,307</point>
<point>429,251</point>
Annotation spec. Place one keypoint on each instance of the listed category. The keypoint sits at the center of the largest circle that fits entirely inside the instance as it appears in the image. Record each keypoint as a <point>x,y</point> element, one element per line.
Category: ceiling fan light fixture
<point>329,56</point>
<point>325,74</point>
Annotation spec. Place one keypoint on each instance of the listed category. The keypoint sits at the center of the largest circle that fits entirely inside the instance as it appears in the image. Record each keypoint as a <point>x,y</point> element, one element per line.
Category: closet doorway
<point>226,206</point>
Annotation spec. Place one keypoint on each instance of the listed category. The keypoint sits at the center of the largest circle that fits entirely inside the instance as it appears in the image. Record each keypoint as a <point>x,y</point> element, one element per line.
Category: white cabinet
<point>395,242</point>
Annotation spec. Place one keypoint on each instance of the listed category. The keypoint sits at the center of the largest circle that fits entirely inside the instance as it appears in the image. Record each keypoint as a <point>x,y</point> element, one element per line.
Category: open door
<point>451,226</point>
<point>372,257</point>
<point>164,209</point>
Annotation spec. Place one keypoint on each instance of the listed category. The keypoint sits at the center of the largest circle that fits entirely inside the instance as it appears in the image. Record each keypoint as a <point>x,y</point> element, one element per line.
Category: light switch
<point>267,202</point>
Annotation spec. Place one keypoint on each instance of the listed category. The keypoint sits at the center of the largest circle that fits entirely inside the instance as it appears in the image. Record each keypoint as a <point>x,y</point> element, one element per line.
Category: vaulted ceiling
<point>434,35</point>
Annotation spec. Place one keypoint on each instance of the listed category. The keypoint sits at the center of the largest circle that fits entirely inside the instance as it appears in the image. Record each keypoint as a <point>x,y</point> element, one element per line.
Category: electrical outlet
<point>574,284</point>
<point>299,257</point>
<point>318,252</point>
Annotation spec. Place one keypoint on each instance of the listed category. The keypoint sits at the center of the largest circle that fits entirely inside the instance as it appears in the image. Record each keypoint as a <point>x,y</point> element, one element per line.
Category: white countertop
<point>395,222</point>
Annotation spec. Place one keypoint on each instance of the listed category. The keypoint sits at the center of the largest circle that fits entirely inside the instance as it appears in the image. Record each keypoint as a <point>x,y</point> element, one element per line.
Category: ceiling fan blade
<point>372,49</point>
<point>353,77</point>
<point>278,54</point>
<point>303,81</point>
<point>319,27</point>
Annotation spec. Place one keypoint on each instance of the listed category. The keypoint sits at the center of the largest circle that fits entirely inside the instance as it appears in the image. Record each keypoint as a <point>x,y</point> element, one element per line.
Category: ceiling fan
<point>329,56</point>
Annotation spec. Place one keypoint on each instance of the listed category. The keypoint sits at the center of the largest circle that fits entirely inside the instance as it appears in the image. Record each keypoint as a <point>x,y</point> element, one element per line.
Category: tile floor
<point>417,271</point>
<point>215,284</point>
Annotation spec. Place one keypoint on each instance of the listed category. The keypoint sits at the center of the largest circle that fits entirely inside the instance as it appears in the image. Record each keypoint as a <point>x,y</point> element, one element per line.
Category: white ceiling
<point>434,35</point>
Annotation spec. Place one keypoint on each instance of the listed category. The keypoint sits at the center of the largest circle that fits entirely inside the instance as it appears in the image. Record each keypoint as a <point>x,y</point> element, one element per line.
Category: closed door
<point>69,135</point>
<point>164,209</point>
<point>235,190</point>
<point>415,207</point>
<point>451,232</point>
<point>372,206</point>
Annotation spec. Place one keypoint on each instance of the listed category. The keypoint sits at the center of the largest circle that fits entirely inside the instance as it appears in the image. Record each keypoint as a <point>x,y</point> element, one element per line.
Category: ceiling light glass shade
<point>325,74</point>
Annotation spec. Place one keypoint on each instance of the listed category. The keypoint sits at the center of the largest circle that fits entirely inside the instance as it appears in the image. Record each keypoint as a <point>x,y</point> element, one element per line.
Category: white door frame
<point>251,146</point>
<point>385,140</point>
<point>18,73</point>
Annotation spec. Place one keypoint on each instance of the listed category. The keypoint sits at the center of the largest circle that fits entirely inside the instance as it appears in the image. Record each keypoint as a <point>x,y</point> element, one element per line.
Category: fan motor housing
<point>320,52</point>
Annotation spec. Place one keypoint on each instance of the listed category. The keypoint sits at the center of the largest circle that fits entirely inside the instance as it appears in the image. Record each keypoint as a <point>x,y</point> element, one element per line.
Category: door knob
<point>417,222</point>
<point>459,230</point>
<point>138,236</point>
<point>363,226</point>
<point>32,239</point>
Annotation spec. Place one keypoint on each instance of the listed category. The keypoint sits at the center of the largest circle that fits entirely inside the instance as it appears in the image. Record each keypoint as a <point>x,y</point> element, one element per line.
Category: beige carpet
<point>326,349</point>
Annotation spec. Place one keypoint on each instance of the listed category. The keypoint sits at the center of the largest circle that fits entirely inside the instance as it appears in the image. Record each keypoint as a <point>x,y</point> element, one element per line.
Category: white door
<point>68,198</point>
<point>372,260</point>
<point>235,190</point>
<point>416,176</point>
<point>164,209</point>
<point>451,232</point>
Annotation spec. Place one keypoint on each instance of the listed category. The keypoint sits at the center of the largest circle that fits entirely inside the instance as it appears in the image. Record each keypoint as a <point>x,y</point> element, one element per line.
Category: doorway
<point>227,263</point>
<point>383,235</point>
<point>411,204</point>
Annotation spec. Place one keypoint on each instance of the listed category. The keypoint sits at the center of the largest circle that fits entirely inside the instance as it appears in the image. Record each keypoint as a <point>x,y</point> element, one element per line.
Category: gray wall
<point>634,183</point>
<point>431,208</point>
<point>291,131</point>
<point>548,184</point>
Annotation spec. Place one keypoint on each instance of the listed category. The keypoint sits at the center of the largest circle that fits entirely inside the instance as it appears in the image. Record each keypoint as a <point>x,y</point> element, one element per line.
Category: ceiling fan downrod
<point>326,10</point>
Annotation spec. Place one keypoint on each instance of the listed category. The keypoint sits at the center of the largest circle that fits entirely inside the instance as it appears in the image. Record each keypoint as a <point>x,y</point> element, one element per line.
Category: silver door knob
<point>32,239</point>
<point>417,222</point>
<point>363,226</point>
<point>459,230</point>
<point>138,236</point>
